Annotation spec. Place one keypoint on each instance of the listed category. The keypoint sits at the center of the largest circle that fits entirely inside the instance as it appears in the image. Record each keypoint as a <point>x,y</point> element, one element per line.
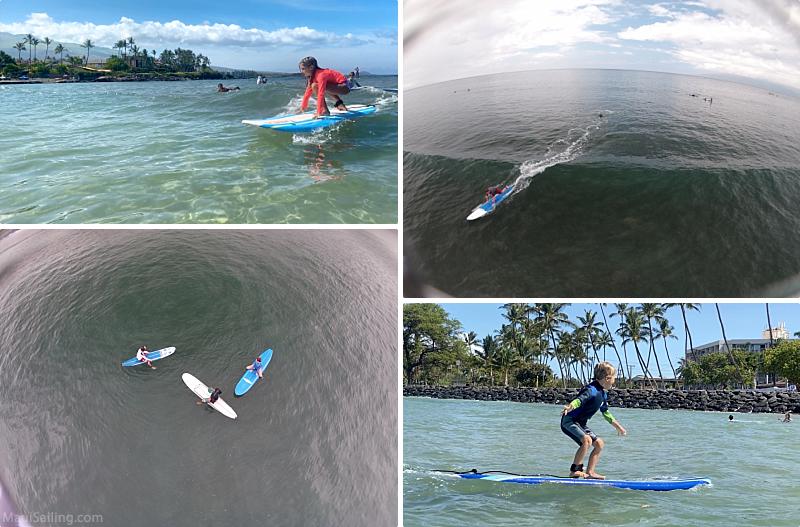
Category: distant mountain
<point>8,40</point>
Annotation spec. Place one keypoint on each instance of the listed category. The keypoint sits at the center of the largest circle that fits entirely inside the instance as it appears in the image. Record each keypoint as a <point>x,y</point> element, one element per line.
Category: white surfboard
<point>203,392</point>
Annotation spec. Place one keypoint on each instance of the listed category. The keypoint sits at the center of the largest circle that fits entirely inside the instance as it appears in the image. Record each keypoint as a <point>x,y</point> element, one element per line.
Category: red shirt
<point>323,77</point>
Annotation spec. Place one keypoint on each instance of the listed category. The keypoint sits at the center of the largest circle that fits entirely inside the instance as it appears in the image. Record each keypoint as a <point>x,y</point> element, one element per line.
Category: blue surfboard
<point>489,206</point>
<point>652,484</point>
<point>250,377</point>
<point>306,122</point>
<point>153,355</point>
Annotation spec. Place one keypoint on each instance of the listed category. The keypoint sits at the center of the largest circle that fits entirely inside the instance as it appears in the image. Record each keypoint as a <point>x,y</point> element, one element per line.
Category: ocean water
<point>315,442</point>
<point>665,194</point>
<point>752,465</point>
<point>176,152</point>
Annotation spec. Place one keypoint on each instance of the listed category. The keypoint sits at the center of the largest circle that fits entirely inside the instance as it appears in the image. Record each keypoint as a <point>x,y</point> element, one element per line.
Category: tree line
<point>129,58</point>
<point>539,345</point>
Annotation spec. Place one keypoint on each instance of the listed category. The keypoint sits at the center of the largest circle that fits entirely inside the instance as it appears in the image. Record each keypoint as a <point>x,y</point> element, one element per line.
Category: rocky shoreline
<point>743,401</point>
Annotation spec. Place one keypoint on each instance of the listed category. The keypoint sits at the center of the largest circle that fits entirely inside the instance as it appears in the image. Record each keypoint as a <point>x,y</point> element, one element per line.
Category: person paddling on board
<point>212,398</point>
<point>141,355</point>
<point>351,80</point>
<point>787,418</point>
<point>223,89</point>
<point>574,416</point>
<point>322,81</point>
<point>257,367</point>
<point>493,192</point>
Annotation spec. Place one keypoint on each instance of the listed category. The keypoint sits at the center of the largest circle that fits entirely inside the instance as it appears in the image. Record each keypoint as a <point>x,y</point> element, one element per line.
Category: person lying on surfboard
<point>787,418</point>
<point>496,190</point>
<point>211,398</point>
<point>223,89</point>
<point>257,367</point>
<point>322,81</point>
<point>574,416</point>
<point>141,354</point>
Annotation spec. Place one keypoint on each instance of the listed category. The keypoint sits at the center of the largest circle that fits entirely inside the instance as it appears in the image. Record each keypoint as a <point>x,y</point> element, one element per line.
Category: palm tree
<point>620,312</point>
<point>551,317</point>
<point>578,351</point>
<point>130,42</point>
<point>487,354</point>
<point>604,340</point>
<point>534,330</point>
<point>20,47</point>
<point>506,357</point>
<point>593,329</point>
<point>562,352</point>
<point>633,330</point>
<point>35,42</point>
<point>613,344</point>
<point>664,332</point>
<point>88,45</point>
<point>769,326</point>
<point>59,50</point>
<point>515,314</point>
<point>684,308</point>
<point>29,42</point>
<point>727,347</point>
<point>47,41</point>
<point>135,54</point>
<point>653,312</point>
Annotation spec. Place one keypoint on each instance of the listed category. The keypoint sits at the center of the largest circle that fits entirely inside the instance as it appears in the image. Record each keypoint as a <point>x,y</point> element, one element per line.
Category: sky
<point>267,35</point>
<point>728,39</point>
<point>742,321</point>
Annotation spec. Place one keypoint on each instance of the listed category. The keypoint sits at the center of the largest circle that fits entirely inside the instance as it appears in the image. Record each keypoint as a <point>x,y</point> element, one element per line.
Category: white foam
<point>560,151</point>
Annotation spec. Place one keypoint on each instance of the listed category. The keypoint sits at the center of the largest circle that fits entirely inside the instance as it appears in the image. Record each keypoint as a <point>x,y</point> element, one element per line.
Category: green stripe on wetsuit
<point>606,415</point>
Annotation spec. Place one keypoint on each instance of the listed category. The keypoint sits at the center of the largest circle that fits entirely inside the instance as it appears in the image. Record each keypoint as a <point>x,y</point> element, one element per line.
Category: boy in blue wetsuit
<point>574,416</point>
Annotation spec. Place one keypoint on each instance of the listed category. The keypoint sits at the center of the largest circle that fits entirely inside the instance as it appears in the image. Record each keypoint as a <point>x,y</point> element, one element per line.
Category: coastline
<point>739,401</point>
<point>129,78</point>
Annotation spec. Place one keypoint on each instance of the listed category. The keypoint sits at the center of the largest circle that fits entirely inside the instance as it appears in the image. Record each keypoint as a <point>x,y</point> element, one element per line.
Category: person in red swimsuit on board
<point>322,81</point>
<point>493,192</point>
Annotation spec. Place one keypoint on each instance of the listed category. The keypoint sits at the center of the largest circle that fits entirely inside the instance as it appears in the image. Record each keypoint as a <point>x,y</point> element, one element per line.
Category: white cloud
<point>175,31</point>
<point>660,10</point>
<point>446,39</point>
<point>751,38</point>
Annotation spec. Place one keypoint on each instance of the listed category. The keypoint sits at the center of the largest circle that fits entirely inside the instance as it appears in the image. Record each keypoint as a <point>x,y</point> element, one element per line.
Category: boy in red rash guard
<point>322,80</point>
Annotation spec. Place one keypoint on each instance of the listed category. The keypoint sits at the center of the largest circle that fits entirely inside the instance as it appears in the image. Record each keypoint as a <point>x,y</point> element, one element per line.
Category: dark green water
<point>176,152</point>
<point>315,442</point>
<point>664,195</point>
<point>751,463</point>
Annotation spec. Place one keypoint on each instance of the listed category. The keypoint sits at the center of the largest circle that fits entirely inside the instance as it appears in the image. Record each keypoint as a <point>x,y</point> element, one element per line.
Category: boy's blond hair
<point>603,370</point>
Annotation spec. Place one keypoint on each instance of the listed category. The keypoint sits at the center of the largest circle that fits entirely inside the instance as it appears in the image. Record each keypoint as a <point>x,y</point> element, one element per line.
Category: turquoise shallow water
<point>176,152</point>
<point>752,464</point>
